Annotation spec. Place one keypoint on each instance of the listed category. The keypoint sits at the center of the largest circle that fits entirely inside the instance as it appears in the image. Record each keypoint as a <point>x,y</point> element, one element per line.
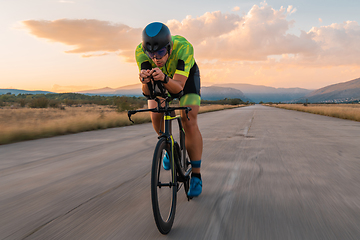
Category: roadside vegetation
<point>27,116</point>
<point>344,111</point>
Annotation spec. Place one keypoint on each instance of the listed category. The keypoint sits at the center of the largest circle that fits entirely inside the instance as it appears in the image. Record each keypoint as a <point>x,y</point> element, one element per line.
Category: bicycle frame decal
<point>169,118</point>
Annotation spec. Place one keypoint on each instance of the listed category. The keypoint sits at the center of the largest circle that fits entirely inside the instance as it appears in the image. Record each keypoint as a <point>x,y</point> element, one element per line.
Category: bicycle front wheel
<point>163,188</point>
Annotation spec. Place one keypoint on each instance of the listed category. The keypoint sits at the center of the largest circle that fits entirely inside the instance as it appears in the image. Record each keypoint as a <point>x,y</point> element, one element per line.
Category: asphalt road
<point>267,174</point>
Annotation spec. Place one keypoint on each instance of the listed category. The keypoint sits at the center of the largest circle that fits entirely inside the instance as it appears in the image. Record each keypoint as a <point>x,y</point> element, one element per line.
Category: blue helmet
<point>156,36</point>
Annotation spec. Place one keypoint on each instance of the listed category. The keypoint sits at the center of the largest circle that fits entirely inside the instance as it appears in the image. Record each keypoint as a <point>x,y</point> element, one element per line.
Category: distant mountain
<point>245,92</point>
<point>207,93</point>
<point>337,93</point>
<point>259,93</point>
<point>105,90</point>
<point>17,91</point>
<point>129,90</point>
<point>218,93</point>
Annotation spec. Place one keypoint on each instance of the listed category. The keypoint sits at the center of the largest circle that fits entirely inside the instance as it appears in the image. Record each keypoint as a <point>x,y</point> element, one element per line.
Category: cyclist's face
<point>161,62</point>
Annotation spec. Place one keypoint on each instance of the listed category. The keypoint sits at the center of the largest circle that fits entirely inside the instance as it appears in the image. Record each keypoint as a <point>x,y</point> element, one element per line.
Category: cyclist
<point>170,60</point>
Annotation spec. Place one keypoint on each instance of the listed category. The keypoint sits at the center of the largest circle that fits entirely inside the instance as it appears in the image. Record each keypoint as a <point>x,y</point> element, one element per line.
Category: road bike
<point>166,183</point>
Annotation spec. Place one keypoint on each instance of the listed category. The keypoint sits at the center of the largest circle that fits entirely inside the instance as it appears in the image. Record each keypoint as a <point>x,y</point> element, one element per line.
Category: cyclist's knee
<point>156,119</point>
<point>156,116</point>
<point>190,125</point>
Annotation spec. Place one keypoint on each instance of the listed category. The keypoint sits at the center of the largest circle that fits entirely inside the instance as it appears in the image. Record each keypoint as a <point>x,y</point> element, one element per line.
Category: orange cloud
<point>259,37</point>
<point>64,1</point>
<point>94,55</point>
<point>339,43</point>
<point>208,26</point>
<point>86,35</point>
<point>291,9</point>
<point>260,33</point>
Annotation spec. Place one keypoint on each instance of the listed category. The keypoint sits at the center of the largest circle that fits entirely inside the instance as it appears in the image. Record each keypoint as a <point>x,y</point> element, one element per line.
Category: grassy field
<point>27,123</point>
<point>344,111</point>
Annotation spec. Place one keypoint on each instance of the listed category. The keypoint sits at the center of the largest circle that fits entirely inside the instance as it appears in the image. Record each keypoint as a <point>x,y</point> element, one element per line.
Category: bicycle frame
<point>167,110</point>
<point>182,177</point>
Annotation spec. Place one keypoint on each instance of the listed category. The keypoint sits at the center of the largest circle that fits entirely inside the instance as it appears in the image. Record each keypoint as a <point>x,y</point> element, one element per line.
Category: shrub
<point>235,101</point>
<point>122,104</point>
<point>41,102</point>
<point>128,103</point>
<point>69,102</point>
<point>306,103</point>
<point>22,102</point>
<point>54,103</point>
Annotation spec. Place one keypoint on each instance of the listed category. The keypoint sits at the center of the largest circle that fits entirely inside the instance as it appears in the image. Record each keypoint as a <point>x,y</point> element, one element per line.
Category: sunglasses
<point>158,54</point>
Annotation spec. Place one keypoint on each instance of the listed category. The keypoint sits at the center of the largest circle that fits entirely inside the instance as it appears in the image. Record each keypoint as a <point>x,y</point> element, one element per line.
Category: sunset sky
<point>73,45</point>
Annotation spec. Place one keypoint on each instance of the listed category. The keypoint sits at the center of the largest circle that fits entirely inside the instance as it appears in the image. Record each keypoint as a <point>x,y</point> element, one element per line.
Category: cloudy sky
<point>72,45</point>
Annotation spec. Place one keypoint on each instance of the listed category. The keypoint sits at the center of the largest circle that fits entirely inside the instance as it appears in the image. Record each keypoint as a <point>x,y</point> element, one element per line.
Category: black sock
<point>198,175</point>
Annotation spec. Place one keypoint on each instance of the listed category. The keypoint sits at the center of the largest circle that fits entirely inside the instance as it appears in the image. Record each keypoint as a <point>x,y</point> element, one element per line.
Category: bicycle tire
<point>163,189</point>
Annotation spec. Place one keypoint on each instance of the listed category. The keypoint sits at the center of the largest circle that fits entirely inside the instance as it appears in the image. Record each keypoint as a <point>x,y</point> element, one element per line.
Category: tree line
<point>61,100</point>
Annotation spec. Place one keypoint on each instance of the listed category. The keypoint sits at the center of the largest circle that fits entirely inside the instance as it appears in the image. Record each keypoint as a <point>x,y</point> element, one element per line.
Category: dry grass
<point>344,111</point>
<point>25,124</point>
<point>212,108</point>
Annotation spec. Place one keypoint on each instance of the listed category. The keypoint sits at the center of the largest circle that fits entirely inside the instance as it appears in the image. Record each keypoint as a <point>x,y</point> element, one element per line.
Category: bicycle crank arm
<point>160,184</point>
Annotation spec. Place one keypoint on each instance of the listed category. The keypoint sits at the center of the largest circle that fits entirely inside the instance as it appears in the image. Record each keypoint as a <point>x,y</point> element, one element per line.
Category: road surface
<point>267,174</point>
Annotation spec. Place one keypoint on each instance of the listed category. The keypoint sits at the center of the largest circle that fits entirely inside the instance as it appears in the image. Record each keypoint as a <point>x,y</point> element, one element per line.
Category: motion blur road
<point>267,174</point>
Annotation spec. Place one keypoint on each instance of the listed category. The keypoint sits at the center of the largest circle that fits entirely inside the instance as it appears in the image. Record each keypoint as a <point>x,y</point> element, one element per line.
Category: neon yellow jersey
<point>180,61</point>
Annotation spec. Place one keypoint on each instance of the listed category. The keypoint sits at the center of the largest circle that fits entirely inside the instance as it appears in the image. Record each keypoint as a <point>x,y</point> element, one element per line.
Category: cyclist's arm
<point>184,63</point>
<point>176,84</point>
<point>144,68</point>
<point>145,90</point>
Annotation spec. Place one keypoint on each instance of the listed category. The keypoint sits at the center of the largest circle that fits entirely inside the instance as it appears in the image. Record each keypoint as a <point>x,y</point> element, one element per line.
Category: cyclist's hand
<point>157,74</point>
<point>145,76</point>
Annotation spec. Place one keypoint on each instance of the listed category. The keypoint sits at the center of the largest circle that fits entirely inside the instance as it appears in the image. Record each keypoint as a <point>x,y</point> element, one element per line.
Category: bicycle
<point>166,184</point>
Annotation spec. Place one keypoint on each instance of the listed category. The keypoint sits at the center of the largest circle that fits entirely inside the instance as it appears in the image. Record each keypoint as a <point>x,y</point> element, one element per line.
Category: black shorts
<point>192,84</point>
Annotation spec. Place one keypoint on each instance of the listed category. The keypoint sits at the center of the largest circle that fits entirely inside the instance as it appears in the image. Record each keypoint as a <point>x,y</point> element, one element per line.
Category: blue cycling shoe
<point>166,162</point>
<point>195,187</point>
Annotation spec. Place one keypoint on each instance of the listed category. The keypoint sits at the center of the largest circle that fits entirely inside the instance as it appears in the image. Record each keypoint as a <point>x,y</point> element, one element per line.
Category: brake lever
<point>129,115</point>
<point>187,113</point>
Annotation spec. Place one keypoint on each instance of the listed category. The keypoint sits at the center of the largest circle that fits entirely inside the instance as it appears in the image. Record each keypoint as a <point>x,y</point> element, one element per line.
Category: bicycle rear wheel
<point>163,189</point>
<point>184,162</point>
<point>183,167</point>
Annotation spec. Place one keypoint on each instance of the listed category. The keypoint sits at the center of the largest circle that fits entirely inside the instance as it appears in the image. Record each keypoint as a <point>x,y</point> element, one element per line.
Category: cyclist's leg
<point>194,146</point>
<point>191,98</point>
<point>193,138</point>
<point>157,119</point>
